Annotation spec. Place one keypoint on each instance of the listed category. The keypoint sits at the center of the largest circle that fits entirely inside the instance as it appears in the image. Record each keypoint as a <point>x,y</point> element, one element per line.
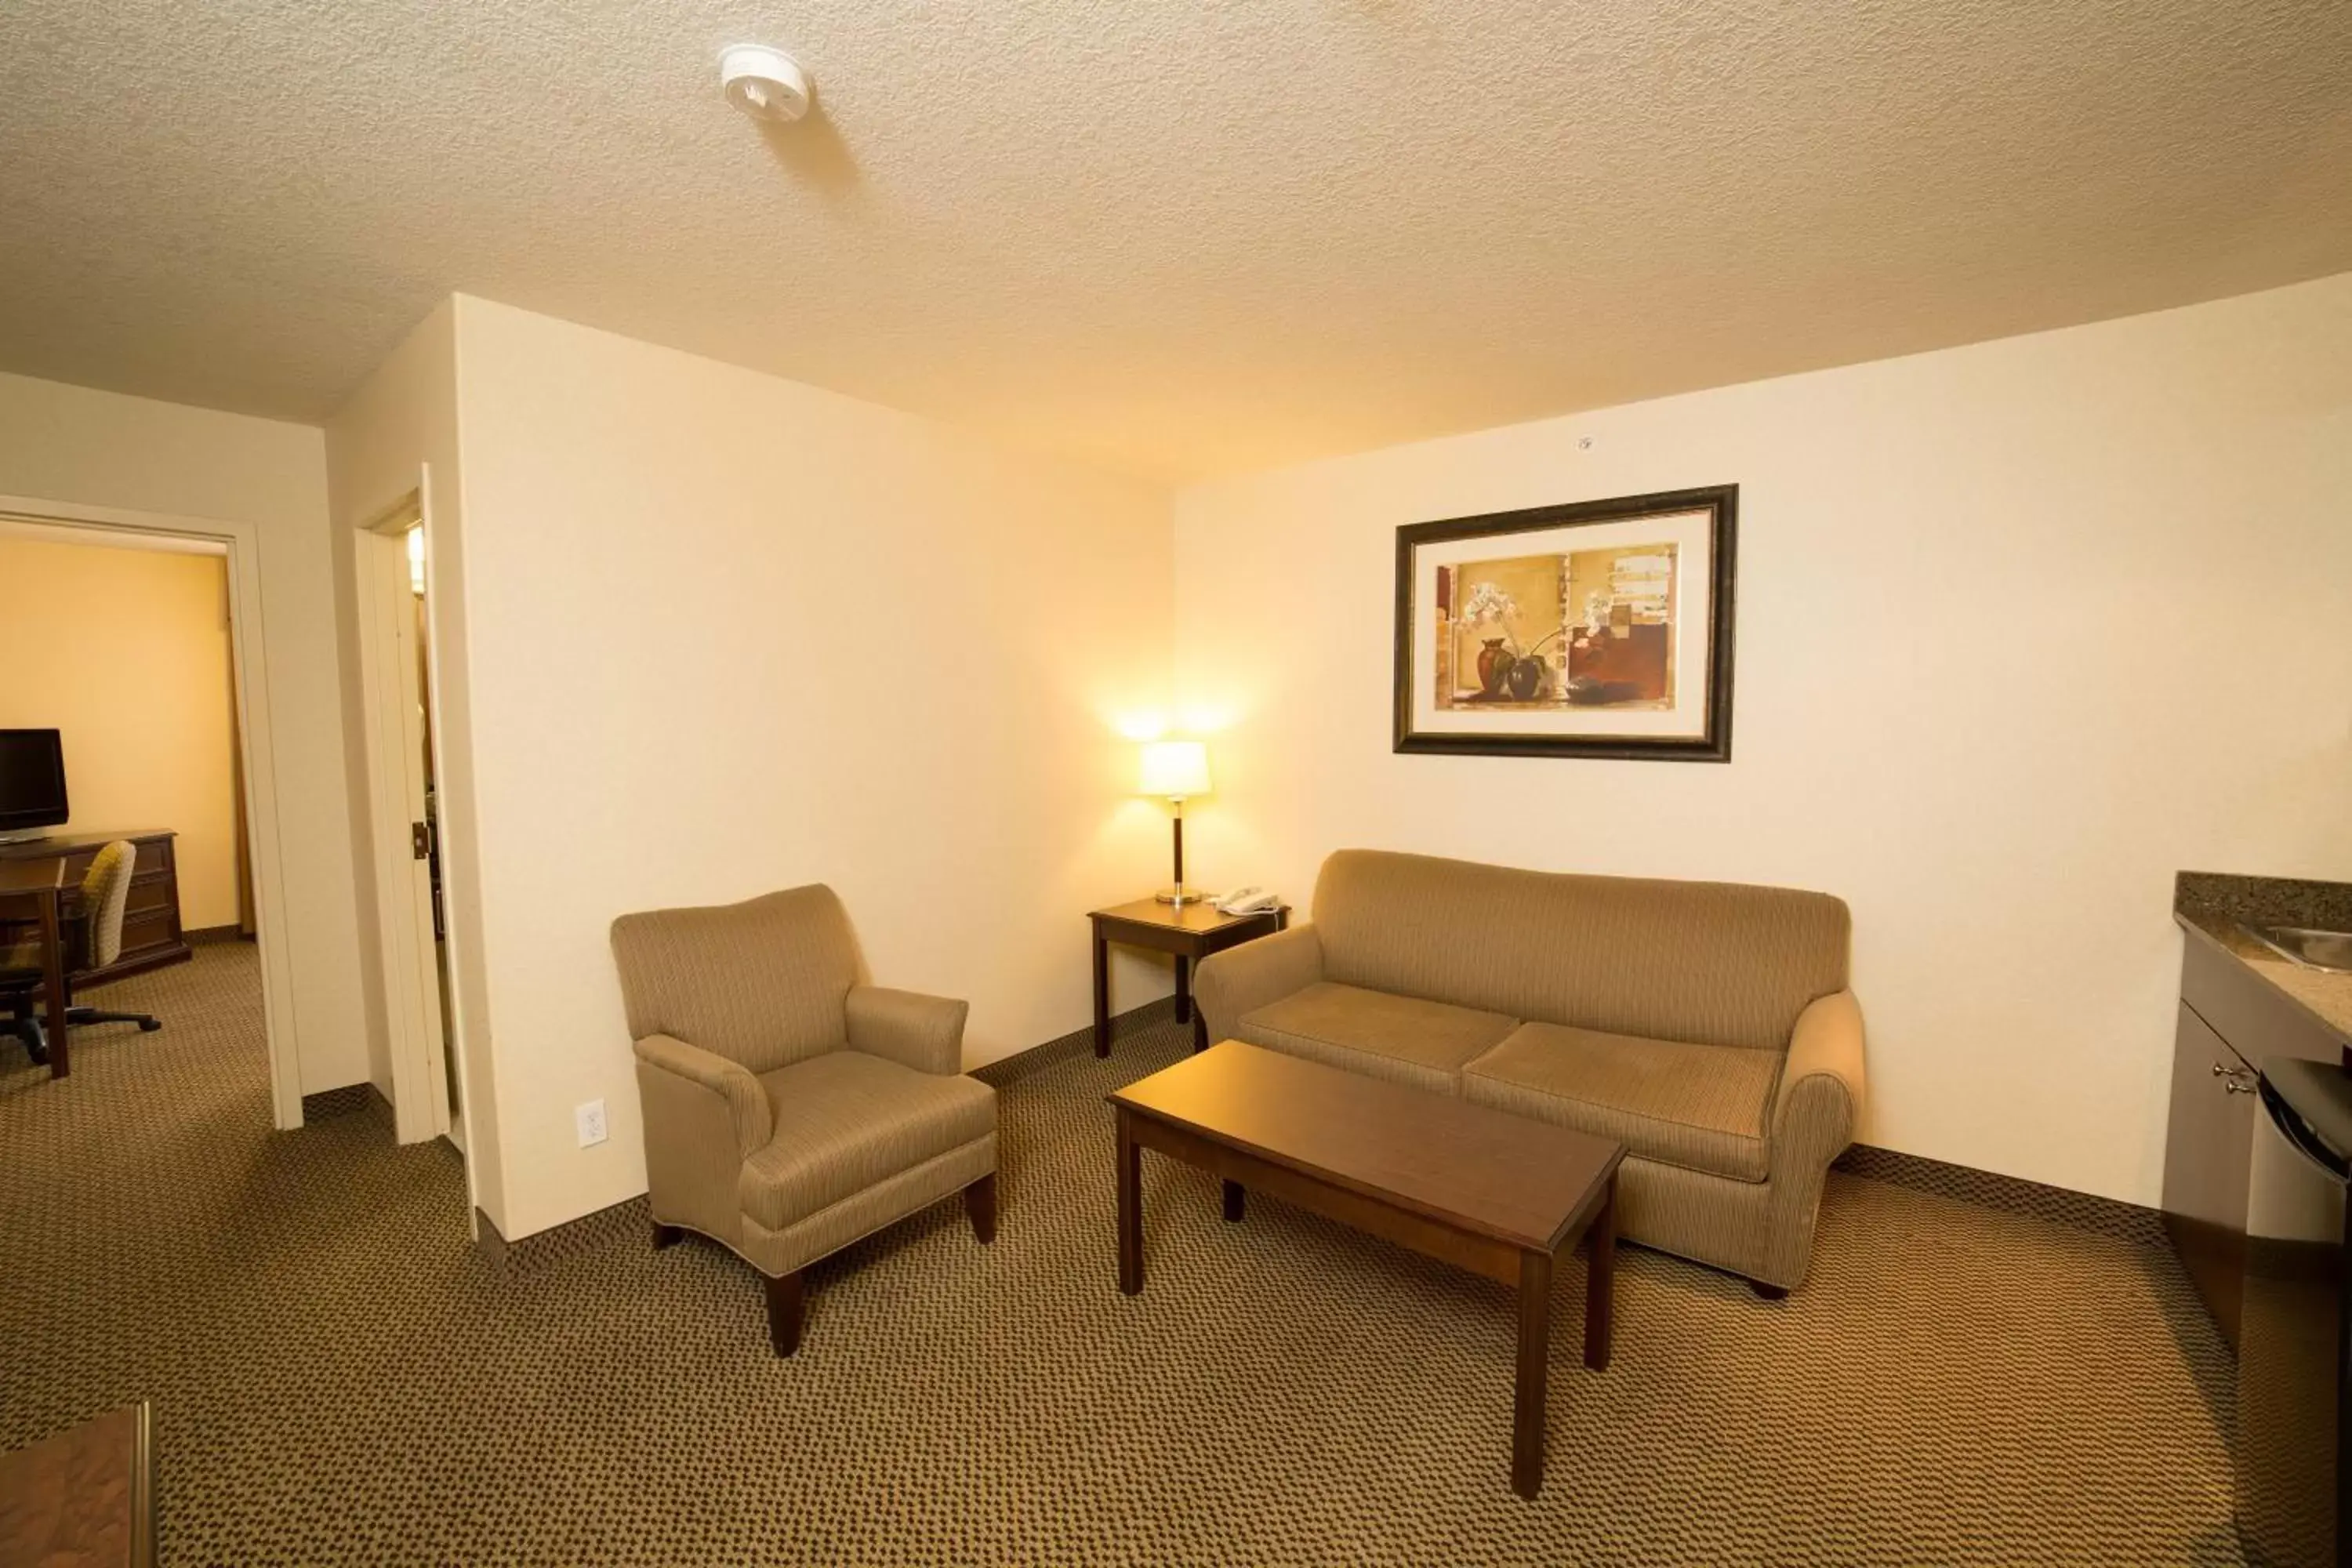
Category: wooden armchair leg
<point>785,1305</point>
<point>980,1206</point>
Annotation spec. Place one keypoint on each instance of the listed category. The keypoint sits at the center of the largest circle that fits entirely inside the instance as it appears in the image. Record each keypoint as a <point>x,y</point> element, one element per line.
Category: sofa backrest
<point>764,983</point>
<point>1711,962</point>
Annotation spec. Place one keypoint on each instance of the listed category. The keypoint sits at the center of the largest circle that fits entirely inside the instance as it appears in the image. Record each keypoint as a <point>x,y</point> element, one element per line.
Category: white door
<point>392,659</point>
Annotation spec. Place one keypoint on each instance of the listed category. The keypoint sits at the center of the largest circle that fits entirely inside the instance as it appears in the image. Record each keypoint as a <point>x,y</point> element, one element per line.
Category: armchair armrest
<point>1818,1106</point>
<point>925,1032</point>
<point>746,1100</point>
<point>1242,979</point>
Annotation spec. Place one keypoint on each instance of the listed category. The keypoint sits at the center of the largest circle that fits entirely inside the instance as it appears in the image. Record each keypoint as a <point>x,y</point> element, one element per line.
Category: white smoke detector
<point>764,83</point>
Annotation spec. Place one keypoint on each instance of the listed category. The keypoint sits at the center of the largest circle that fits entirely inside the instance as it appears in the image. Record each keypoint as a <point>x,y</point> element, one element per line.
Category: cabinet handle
<point>2233,1086</point>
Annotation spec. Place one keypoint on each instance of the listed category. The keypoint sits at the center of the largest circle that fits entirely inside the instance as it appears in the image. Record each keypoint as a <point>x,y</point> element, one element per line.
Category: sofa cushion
<point>845,1121</point>
<point>1401,1039</point>
<point>1703,1108</point>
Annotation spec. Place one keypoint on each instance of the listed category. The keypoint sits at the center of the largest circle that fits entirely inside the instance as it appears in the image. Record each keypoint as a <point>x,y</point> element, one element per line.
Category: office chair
<point>93,939</point>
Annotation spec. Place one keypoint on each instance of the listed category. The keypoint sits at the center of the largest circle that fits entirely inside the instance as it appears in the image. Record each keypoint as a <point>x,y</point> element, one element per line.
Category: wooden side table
<point>1190,932</point>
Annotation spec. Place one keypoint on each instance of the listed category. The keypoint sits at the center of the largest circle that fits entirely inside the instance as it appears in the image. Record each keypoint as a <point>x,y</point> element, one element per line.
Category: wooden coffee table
<point>1468,1185</point>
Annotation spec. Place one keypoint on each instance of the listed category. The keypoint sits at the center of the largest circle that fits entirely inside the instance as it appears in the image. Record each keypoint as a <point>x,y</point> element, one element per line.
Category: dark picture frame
<point>1712,743</point>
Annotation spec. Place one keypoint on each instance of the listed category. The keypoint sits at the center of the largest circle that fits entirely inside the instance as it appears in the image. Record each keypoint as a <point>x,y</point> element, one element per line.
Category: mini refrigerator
<point>2292,1350</point>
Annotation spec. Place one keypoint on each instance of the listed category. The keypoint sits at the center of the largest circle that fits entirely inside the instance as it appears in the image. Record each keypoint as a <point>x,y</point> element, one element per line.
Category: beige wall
<point>2022,629</point>
<point>729,633</point>
<point>400,425</point>
<point>76,445</point>
<point>127,652</point>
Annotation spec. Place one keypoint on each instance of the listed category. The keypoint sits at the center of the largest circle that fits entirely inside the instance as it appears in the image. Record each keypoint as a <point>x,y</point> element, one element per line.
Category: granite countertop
<point>2219,906</point>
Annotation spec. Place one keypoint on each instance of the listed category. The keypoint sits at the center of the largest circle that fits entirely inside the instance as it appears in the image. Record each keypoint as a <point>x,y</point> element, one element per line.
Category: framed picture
<point>1599,630</point>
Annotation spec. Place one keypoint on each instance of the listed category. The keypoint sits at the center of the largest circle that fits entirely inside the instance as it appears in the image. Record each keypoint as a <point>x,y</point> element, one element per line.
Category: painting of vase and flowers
<point>1601,628</point>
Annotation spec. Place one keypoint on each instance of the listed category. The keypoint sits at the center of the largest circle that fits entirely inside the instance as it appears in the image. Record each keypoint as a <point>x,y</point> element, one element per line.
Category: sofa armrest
<point>1819,1107</point>
<point>925,1032</point>
<point>748,1115</point>
<point>1242,979</point>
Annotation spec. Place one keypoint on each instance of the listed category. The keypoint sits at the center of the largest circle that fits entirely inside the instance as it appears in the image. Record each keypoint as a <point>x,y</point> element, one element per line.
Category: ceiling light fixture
<point>764,83</point>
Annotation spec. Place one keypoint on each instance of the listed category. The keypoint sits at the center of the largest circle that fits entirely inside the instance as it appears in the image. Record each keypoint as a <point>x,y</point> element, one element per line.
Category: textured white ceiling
<point>1176,238</point>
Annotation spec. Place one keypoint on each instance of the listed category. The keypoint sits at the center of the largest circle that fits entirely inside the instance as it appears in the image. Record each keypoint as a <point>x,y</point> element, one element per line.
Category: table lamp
<point>1176,771</point>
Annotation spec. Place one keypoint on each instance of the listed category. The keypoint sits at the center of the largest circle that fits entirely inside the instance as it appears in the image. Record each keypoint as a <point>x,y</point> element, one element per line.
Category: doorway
<point>252,751</point>
<point>420,1074</point>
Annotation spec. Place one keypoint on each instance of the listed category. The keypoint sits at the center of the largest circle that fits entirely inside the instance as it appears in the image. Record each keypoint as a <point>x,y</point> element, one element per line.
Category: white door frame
<point>71,524</point>
<point>389,698</point>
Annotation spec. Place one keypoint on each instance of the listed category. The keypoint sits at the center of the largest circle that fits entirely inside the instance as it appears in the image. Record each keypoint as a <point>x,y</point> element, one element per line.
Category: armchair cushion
<point>1401,1039</point>
<point>1700,1107</point>
<point>846,1122</point>
<point>925,1032</point>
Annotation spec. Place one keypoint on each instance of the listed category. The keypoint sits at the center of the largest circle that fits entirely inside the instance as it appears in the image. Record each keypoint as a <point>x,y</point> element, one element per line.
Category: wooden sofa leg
<point>980,1207</point>
<point>785,1305</point>
<point>1769,1292</point>
<point>667,1235</point>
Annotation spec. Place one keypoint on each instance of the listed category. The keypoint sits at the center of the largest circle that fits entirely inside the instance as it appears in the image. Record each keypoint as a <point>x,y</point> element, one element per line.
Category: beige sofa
<point>1705,1026</point>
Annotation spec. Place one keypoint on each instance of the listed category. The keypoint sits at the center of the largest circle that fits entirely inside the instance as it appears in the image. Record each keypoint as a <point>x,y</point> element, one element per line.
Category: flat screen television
<point>32,782</point>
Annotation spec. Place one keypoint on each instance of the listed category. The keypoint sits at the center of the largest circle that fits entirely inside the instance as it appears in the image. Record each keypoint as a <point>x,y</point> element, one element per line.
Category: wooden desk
<point>86,1496</point>
<point>1190,932</point>
<point>40,882</point>
<point>151,933</point>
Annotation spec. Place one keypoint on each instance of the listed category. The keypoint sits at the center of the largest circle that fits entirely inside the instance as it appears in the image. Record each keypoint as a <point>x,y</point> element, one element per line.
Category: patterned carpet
<point>338,1378</point>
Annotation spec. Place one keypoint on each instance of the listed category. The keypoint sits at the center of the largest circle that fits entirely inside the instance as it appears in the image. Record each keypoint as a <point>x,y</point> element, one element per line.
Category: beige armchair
<point>789,1110</point>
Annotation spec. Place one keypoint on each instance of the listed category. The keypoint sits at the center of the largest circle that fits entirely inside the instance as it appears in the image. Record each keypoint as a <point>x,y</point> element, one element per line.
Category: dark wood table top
<point>1499,1175</point>
<point>44,874</point>
<point>68,843</point>
<point>1202,918</point>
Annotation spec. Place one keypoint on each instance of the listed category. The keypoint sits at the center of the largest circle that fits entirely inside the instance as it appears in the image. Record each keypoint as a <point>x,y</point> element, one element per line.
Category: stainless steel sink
<point>2312,949</point>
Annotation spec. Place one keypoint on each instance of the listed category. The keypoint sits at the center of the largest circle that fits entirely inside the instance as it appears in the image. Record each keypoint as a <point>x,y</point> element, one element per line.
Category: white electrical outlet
<point>591,1119</point>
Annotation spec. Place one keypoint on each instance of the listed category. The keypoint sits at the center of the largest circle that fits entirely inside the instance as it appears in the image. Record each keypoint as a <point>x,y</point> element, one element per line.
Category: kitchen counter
<point>2211,905</point>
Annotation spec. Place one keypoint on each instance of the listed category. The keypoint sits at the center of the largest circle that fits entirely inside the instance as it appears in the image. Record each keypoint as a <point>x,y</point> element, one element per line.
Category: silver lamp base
<point>1180,895</point>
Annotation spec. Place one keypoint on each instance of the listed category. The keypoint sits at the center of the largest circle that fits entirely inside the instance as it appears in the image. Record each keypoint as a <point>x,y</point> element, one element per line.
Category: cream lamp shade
<point>1175,770</point>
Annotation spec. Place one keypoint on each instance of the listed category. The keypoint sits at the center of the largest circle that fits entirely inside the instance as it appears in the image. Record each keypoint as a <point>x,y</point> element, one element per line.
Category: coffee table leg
<point>1131,1210</point>
<point>1534,1355</point>
<point>1600,1281</point>
<point>1235,1200</point>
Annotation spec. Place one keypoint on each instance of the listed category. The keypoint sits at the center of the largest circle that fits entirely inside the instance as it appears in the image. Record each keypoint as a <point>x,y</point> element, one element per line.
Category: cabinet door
<point>2206,1156</point>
